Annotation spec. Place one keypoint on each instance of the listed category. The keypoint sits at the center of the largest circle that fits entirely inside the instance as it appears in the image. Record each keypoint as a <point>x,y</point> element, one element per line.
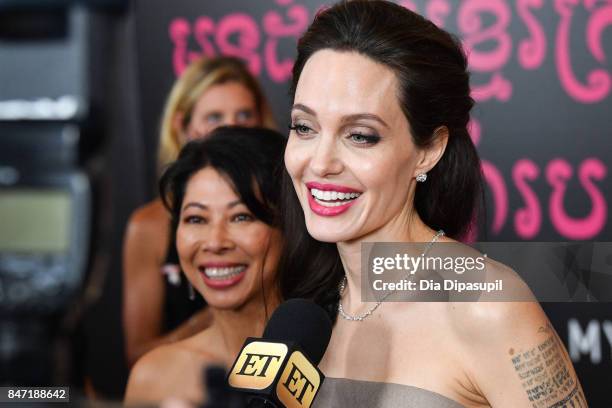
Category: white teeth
<point>332,195</point>
<point>224,273</point>
<point>332,203</point>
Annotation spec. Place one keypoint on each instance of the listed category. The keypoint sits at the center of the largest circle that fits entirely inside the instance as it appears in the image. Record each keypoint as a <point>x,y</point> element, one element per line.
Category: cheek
<point>294,161</point>
<point>388,180</point>
<point>197,129</point>
<point>262,245</point>
<point>185,242</point>
<point>202,126</point>
<point>253,241</point>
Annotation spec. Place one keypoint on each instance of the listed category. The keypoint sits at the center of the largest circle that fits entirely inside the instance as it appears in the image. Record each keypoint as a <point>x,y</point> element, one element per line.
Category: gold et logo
<point>298,383</point>
<point>257,365</point>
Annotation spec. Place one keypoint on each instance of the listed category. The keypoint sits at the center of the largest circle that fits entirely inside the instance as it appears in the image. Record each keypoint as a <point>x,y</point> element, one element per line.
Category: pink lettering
<point>276,29</point>
<point>475,130</point>
<point>499,191</point>
<point>558,173</point>
<point>409,4</point>
<point>498,87</point>
<point>527,220</point>
<point>531,51</point>
<point>470,24</point>
<point>179,31</point>
<point>598,81</point>
<point>438,11</point>
<point>246,29</point>
<point>599,21</point>
<point>204,29</point>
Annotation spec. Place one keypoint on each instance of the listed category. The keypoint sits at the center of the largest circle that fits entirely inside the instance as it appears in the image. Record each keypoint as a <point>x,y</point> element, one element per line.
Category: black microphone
<point>219,394</point>
<point>280,369</point>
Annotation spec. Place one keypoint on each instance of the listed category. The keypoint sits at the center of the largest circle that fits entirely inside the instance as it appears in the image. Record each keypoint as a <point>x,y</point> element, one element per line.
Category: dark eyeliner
<point>369,139</point>
<point>300,130</point>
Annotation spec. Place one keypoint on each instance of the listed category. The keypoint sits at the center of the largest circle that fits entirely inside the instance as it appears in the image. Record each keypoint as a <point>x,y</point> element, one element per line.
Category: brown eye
<point>194,219</point>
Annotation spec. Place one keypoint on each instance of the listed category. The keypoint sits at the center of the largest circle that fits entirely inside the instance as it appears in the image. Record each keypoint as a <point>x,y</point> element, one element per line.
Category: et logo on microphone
<point>299,382</point>
<point>275,371</point>
<point>257,365</point>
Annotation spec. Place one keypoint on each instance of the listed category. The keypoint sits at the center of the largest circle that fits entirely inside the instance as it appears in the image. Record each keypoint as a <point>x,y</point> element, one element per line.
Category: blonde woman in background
<point>159,306</point>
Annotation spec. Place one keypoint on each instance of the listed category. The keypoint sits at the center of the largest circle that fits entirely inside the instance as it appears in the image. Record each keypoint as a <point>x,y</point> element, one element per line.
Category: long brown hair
<point>434,91</point>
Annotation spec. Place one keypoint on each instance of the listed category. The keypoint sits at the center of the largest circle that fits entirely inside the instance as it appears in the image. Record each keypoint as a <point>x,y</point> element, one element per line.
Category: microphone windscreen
<point>303,322</point>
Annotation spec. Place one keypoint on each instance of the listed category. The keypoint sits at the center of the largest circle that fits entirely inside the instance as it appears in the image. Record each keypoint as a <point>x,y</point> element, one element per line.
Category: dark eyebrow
<point>205,207</point>
<point>347,118</point>
<point>370,116</point>
<point>304,108</point>
<point>196,205</point>
<point>234,203</point>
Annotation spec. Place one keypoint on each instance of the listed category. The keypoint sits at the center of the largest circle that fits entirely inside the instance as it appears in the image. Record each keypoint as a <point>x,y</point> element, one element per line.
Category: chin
<point>229,303</point>
<point>328,232</point>
<point>228,299</point>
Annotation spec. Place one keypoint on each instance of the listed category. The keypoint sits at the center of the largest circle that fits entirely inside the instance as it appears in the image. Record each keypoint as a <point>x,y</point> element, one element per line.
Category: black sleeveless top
<point>178,306</point>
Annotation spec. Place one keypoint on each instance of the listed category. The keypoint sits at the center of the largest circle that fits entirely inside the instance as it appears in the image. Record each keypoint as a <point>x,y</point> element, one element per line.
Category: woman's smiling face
<point>350,153</point>
<point>223,248</point>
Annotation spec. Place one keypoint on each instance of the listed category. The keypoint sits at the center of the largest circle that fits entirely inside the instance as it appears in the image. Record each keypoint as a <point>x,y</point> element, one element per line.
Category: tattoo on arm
<point>545,375</point>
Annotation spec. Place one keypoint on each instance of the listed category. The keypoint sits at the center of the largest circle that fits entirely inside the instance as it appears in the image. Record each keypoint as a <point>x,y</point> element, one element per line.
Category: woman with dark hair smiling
<point>223,194</point>
<point>158,306</point>
<point>379,150</point>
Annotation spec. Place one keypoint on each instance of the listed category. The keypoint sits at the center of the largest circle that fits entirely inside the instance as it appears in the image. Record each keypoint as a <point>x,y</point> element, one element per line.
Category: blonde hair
<point>199,76</point>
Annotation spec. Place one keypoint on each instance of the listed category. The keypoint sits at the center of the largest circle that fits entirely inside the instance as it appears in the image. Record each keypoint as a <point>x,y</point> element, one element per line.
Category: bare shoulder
<point>501,313</point>
<point>498,317</point>
<point>147,231</point>
<point>156,361</point>
<point>512,354</point>
<point>150,216</point>
<point>146,382</point>
<point>487,323</point>
<point>506,346</point>
<point>167,371</point>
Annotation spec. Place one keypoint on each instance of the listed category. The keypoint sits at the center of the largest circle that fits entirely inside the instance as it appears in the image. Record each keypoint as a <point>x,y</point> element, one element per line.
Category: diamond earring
<point>421,177</point>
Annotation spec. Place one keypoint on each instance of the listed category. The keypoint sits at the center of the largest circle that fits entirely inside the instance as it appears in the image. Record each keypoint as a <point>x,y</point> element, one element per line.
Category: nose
<point>325,160</point>
<point>217,239</point>
<point>230,119</point>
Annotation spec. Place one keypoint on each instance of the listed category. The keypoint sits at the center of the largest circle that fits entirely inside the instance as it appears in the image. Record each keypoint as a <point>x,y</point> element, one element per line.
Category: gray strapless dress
<point>345,393</point>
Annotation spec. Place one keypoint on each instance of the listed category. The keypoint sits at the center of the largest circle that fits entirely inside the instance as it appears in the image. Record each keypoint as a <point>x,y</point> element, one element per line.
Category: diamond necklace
<point>367,313</point>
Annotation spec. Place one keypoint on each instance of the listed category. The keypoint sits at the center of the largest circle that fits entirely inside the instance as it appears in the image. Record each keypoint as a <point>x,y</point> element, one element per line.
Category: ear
<point>179,128</point>
<point>431,154</point>
<point>177,122</point>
